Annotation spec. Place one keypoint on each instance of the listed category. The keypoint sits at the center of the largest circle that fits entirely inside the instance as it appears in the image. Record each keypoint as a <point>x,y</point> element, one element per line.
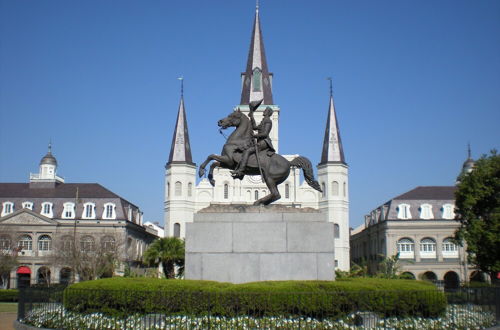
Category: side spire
<point>256,80</point>
<point>180,151</point>
<point>332,143</point>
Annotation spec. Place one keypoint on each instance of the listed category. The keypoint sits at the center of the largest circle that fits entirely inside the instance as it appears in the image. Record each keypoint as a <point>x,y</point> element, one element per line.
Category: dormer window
<point>8,208</point>
<point>109,211</point>
<point>88,211</point>
<point>404,211</point>
<point>28,205</point>
<point>68,211</point>
<point>257,80</point>
<point>426,211</point>
<point>47,209</point>
<point>448,211</point>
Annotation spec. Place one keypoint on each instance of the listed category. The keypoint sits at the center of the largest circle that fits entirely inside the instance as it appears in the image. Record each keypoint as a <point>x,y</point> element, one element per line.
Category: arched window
<point>226,191</point>
<point>66,243</point>
<point>25,243</point>
<point>336,231</point>
<point>87,243</point>
<point>177,230</point>
<point>405,248</point>
<point>109,211</point>
<point>404,211</point>
<point>256,194</point>
<point>8,208</point>
<point>178,188</point>
<point>323,187</point>
<point>108,243</point>
<point>335,188</point>
<point>345,189</point>
<point>28,205</point>
<point>5,243</point>
<point>448,211</point>
<point>426,211</point>
<point>249,195</point>
<point>47,209</point>
<point>190,189</point>
<point>44,243</point>
<point>167,191</point>
<point>88,211</point>
<point>427,248</point>
<point>450,249</point>
<point>287,190</point>
<point>257,80</point>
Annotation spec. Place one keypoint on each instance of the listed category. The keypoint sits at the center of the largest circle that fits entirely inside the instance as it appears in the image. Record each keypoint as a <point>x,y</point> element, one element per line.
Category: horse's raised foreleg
<point>220,159</point>
<point>211,172</point>
<point>273,188</point>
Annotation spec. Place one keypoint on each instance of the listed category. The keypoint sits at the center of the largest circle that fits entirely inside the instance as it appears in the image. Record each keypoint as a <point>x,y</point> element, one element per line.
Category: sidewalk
<point>6,320</point>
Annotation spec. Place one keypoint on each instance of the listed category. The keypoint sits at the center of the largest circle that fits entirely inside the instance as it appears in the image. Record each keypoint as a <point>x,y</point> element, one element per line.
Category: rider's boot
<point>242,165</point>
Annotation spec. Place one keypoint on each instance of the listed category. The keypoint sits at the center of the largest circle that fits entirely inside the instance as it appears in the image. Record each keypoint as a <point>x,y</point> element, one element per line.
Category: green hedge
<point>318,299</point>
<point>8,295</point>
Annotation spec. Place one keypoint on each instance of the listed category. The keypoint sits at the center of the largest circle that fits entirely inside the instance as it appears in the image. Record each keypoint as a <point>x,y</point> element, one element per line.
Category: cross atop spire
<point>256,79</point>
<point>333,151</point>
<point>180,150</point>
<point>181,78</point>
<point>331,86</point>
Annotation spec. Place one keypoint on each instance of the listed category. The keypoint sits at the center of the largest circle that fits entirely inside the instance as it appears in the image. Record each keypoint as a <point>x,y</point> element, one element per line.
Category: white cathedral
<point>183,197</point>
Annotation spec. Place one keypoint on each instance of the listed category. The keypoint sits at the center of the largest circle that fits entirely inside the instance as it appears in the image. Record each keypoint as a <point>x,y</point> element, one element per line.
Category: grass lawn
<point>8,307</point>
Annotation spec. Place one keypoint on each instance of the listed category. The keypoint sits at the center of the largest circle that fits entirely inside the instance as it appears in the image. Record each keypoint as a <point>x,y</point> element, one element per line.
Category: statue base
<point>242,243</point>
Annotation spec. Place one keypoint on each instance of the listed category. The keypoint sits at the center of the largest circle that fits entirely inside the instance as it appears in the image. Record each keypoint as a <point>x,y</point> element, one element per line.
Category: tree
<point>90,256</point>
<point>389,267</point>
<point>169,252</point>
<point>478,211</point>
<point>8,255</point>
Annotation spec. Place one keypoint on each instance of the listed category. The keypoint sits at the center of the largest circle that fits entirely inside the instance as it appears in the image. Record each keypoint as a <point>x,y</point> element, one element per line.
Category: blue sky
<point>414,82</point>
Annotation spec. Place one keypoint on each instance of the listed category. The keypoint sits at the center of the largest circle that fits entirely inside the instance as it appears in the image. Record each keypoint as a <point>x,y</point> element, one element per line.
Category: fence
<point>464,308</point>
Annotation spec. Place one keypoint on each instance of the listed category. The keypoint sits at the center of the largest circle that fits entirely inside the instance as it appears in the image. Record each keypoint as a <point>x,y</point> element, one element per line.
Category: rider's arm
<point>252,120</point>
<point>265,130</point>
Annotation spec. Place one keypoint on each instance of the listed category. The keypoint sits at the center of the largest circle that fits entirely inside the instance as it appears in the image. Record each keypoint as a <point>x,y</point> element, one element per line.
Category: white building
<point>183,197</point>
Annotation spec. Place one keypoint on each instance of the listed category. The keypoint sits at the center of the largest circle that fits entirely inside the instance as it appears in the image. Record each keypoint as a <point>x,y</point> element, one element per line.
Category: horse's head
<point>233,120</point>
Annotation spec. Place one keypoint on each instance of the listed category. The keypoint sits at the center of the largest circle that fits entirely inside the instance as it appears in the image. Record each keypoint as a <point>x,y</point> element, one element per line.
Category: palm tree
<point>169,252</point>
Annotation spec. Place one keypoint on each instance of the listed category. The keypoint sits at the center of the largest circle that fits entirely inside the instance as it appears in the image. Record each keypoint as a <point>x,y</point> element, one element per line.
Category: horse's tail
<point>306,166</point>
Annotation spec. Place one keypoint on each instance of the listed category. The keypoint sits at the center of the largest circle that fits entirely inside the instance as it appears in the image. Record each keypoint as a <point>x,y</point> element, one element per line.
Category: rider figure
<point>263,140</point>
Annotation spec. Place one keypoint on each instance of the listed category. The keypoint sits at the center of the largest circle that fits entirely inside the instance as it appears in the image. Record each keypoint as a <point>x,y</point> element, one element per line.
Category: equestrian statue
<point>249,153</point>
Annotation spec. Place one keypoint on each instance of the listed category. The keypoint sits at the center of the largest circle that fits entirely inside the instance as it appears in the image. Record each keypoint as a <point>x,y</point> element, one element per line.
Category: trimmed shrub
<point>9,295</point>
<point>318,299</point>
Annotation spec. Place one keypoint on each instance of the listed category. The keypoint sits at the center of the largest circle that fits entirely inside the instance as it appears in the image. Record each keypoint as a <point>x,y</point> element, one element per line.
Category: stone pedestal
<point>237,243</point>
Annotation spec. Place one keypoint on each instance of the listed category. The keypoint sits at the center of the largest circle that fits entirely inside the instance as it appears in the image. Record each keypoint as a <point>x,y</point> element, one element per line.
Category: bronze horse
<point>275,168</point>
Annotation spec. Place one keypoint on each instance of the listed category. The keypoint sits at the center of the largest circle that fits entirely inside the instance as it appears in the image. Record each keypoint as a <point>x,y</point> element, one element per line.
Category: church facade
<point>183,197</point>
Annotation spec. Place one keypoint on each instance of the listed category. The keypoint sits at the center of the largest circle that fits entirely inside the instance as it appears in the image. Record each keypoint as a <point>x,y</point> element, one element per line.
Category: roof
<point>63,190</point>
<point>429,193</point>
<point>256,59</point>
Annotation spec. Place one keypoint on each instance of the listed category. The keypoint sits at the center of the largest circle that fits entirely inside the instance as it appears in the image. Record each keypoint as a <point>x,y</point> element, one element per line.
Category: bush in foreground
<point>317,299</point>
<point>9,295</point>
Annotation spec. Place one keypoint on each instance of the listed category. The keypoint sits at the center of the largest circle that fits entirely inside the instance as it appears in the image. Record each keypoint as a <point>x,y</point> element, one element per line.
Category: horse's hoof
<point>201,172</point>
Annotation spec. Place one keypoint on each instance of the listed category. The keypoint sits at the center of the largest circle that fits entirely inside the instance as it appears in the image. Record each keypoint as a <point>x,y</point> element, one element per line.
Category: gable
<point>27,217</point>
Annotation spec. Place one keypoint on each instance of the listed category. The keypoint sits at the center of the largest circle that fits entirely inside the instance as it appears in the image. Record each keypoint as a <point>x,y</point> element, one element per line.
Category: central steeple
<point>256,80</point>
